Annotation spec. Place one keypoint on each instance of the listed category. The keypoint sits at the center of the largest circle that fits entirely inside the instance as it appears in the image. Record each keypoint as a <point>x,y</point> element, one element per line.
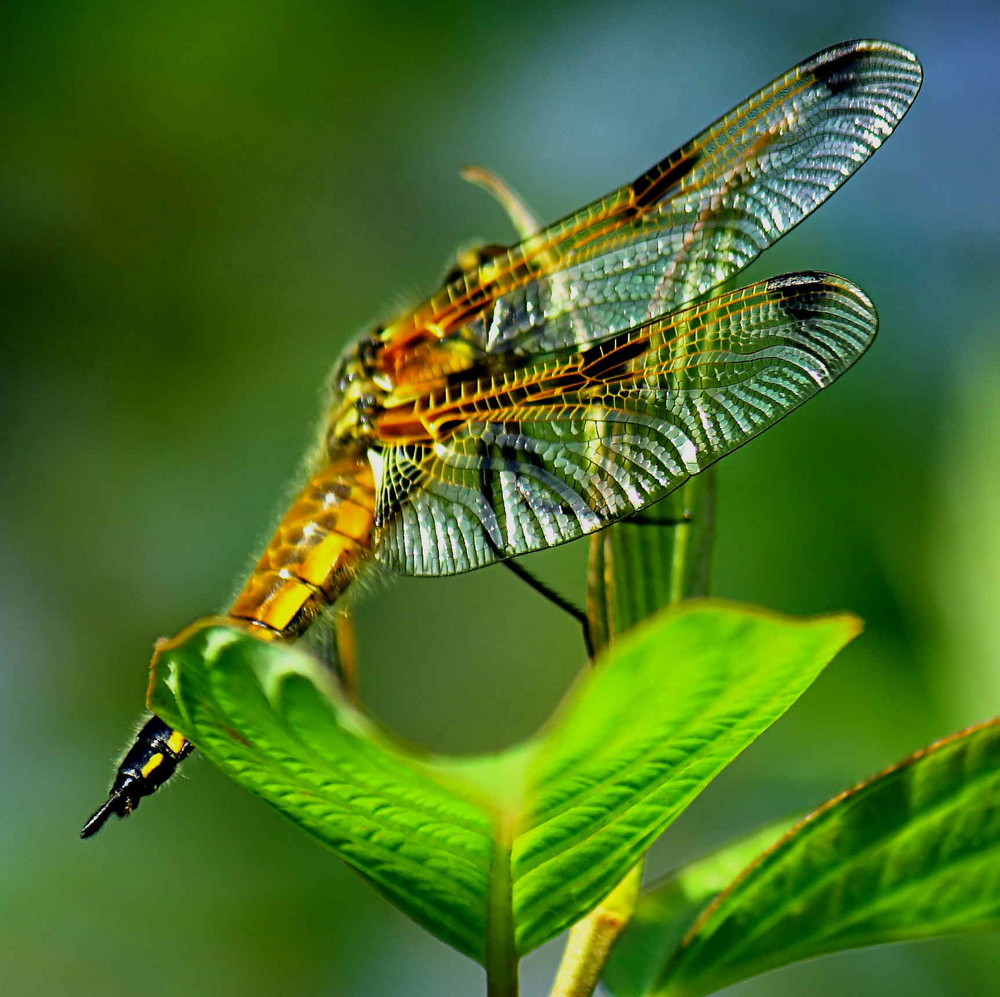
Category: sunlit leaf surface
<point>670,907</point>
<point>498,854</point>
<point>912,853</point>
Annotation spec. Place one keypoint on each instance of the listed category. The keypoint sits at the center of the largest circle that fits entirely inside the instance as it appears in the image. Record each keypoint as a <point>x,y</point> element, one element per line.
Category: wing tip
<point>808,294</point>
<point>839,67</point>
<point>818,280</point>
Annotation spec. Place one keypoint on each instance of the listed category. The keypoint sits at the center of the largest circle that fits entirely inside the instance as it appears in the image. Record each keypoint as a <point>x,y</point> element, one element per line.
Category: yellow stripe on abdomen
<point>317,549</point>
<point>153,763</point>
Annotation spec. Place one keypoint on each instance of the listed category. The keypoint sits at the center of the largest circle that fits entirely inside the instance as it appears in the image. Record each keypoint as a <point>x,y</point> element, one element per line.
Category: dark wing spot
<point>515,461</point>
<point>840,72</point>
<point>802,303</point>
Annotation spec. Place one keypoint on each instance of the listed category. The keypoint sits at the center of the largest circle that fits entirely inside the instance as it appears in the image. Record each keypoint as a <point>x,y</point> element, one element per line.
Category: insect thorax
<point>358,395</point>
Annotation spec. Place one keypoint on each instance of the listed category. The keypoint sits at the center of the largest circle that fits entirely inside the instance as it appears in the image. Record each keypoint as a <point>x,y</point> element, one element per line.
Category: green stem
<point>501,959</point>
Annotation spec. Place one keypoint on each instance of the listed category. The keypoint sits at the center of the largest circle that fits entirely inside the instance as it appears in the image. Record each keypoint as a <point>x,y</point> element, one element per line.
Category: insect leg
<point>640,520</point>
<point>556,599</point>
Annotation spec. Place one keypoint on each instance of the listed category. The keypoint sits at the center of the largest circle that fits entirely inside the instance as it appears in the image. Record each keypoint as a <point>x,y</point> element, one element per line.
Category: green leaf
<point>272,718</point>
<point>496,855</point>
<point>670,906</point>
<point>676,702</point>
<point>912,853</point>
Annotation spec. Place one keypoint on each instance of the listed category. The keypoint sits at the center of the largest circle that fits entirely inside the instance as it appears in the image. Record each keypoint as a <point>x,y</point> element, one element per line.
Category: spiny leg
<point>563,603</point>
<point>556,599</point>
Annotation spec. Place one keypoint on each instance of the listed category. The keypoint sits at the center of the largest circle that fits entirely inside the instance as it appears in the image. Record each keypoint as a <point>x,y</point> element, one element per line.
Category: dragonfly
<point>559,385</point>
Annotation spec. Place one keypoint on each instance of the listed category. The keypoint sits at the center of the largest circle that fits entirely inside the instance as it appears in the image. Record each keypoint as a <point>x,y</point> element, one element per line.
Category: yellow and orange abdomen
<point>317,549</point>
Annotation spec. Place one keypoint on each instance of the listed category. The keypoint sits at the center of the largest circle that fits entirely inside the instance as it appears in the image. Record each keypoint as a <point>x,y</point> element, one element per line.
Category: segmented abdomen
<point>317,549</point>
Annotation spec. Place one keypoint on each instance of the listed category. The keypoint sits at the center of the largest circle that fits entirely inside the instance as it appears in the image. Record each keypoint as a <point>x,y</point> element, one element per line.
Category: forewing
<point>564,445</point>
<point>684,226</point>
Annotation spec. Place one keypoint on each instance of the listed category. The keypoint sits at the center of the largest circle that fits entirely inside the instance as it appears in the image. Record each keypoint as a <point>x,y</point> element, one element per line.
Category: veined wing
<point>684,226</point>
<point>563,445</point>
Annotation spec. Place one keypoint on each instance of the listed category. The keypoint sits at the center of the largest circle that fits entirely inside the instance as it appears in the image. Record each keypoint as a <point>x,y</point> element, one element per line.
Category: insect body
<point>569,381</point>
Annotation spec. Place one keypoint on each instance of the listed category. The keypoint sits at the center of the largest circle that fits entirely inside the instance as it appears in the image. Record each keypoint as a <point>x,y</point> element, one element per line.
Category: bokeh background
<point>202,202</point>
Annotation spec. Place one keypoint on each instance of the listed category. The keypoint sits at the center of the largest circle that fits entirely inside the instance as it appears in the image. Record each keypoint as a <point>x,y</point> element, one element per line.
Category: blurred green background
<point>201,202</point>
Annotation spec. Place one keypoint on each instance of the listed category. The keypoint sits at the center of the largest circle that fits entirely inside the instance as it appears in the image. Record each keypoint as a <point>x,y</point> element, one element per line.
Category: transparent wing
<point>684,226</point>
<point>565,444</point>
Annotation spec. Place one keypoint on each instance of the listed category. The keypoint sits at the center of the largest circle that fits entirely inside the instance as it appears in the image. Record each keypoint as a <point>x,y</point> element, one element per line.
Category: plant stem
<point>591,939</point>
<point>635,571</point>
<point>501,959</point>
